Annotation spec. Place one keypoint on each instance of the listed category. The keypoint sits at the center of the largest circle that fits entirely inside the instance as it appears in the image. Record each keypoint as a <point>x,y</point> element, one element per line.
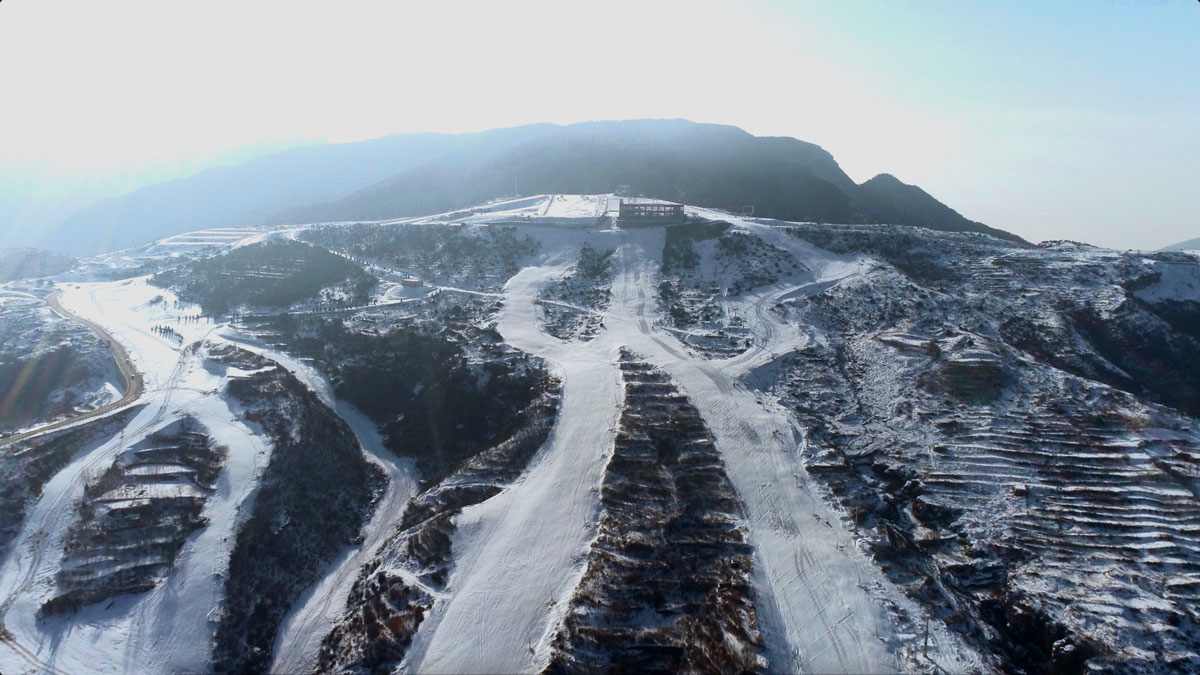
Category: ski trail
<point>167,621</point>
<point>520,554</point>
<point>300,634</point>
<point>817,616</point>
<point>168,628</point>
<point>306,625</point>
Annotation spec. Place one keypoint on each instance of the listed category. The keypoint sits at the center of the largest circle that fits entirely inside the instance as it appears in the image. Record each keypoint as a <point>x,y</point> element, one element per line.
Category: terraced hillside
<point>736,445</point>
<point>1027,487</point>
<point>704,264</point>
<point>136,516</point>
<point>275,274</point>
<point>26,466</point>
<point>666,587</point>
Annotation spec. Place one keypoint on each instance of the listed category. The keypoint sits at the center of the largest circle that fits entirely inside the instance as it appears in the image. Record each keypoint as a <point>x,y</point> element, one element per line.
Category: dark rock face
<point>389,600</point>
<point>136,516</point>
<point>315,494</point>
<point>932,513</point>
<point>667,582</point>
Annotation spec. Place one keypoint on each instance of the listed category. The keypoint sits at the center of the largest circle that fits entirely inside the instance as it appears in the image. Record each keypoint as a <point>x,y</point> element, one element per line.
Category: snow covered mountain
<point>527,436</point>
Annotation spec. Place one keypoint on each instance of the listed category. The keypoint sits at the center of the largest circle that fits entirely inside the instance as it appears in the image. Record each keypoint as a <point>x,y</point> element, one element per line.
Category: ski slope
<point>168,628</point>
<point>823,605</point>
<point>820,599</point>
<point>500,581</point>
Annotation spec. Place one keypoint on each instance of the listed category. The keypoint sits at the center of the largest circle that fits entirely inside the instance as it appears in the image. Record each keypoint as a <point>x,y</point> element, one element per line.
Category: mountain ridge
<point>715,166</point>
<point>1188,245</point>
<point>247,193</point>
<point>712,165</point>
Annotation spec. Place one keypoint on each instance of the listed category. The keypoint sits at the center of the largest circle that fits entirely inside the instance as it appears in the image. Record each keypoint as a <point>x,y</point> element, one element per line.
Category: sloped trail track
<point>816,615</point>
<point>809,578</point>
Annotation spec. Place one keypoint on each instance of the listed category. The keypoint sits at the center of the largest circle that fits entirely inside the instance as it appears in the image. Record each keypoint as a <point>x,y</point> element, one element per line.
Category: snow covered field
<point>823,600</point>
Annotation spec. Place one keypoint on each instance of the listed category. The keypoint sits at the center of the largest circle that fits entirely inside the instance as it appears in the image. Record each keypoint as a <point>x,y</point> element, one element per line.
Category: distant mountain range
<point>415,174</point>
<point>24,263</point>
<point>1189,245</point>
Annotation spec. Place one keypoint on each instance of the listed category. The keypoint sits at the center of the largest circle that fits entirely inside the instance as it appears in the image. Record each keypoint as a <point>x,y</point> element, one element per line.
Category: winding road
<point>134,383</point>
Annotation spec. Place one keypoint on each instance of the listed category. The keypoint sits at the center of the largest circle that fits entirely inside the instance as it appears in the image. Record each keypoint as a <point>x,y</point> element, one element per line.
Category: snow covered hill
<point>520,437</point>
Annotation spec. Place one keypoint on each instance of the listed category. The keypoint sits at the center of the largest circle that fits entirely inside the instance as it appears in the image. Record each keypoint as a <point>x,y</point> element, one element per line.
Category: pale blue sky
<point>1050,119</point>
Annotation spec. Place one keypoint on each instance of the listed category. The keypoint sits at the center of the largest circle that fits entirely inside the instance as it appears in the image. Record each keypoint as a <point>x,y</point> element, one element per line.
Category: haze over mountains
<point>1189,245</point>
<point>413,174</point>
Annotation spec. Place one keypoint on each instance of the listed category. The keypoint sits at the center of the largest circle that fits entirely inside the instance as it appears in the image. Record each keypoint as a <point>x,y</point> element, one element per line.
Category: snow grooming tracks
<point>389,600</point>
<point>667,583</point>
<point>811,583</point>
<point>520,554</point>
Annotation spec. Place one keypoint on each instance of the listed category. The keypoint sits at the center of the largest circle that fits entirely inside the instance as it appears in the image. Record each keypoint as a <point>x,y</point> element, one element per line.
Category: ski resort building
<point>642,212</point>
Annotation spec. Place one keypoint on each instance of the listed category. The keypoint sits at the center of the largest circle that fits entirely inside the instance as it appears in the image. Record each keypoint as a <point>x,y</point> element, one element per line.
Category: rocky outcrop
<point>667,586</point>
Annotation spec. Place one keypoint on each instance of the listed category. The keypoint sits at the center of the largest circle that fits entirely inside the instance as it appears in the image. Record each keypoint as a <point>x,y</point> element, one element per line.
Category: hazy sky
<point>1050,119</point>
